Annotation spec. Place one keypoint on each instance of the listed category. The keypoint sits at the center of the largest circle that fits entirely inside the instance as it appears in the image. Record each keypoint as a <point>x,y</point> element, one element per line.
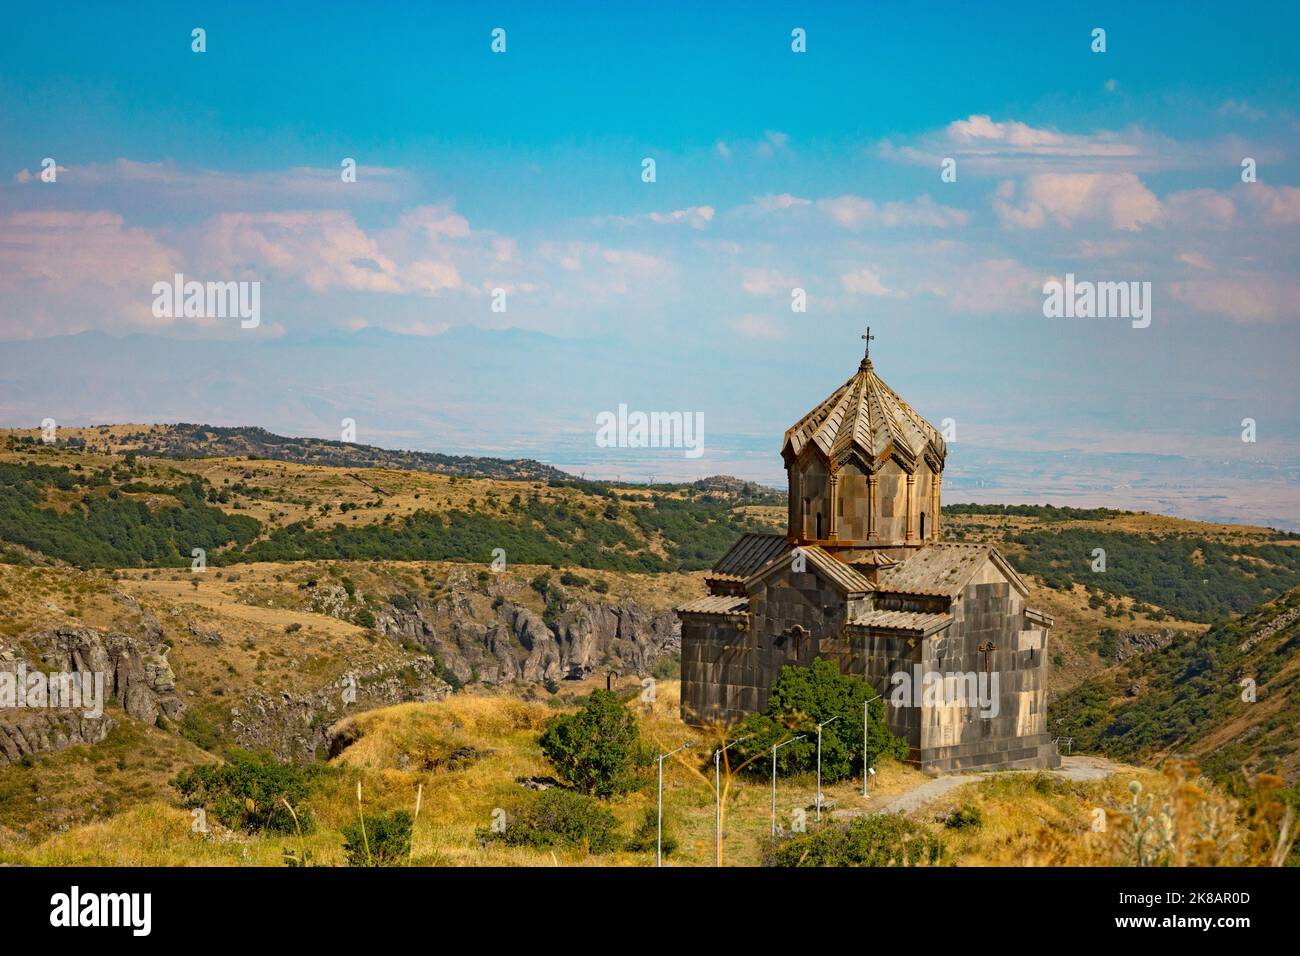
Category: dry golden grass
<point>467,754</point>
<point>133,765</point>
<point>408,746</point>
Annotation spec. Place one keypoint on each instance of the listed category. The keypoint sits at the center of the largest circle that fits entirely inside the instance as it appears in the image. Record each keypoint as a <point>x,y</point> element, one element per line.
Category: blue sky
<point>774,170</point>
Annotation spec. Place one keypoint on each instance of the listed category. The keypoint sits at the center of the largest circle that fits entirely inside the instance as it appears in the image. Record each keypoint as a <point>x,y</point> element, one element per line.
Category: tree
<point>593,750</point>
<point>803,697</point>
<point>249,791</point>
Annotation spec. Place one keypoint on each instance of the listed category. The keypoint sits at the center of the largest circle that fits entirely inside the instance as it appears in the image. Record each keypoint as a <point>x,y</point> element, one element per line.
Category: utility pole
<point>866,740</point>
<point>659,839</point>
<point>819,765</point>
<point>775,748</point>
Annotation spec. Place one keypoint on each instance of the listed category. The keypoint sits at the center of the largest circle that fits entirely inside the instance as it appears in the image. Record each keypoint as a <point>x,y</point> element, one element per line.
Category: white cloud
<point>697,217</point>
<point>776,203</point>
<point>985,146</point>
<point>1246,299</point>
<point>329,252</point>
<point>864,281</point>
<point>1199,209</point>
<point>1117,199</point>
<point>1195,259</point>
<point>764,282</point>
<point>78,270</point>
<point>23,176</point>
<point>989,286</point>
<point>1240,109</point>
<point>773,142</point>
<point>856,213</point>
<point>1280,205</point>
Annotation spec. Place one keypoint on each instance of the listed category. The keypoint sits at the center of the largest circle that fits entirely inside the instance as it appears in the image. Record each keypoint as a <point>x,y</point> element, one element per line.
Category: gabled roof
<point>845,579</point>
<point>747,555</point>
<point>908,622</point>
<point>864,417</point>
<point>716,604</point>
<point>943,569</point>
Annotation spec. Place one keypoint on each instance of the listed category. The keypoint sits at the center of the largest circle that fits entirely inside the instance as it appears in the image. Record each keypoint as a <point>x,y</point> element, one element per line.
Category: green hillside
<point>1189,698</point>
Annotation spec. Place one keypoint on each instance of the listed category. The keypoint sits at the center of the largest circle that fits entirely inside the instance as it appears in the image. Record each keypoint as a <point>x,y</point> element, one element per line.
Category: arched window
<point>922,525</point>
<point>819,526</point>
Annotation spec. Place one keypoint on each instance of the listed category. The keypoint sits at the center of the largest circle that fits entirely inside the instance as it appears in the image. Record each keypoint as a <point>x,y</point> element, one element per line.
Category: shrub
<point>801,697</point>
<point>386,840</point>
<point>559,818</point>
<point>966,817</point>
<point>593,749</point>
<point>881,839</point>
<point>246,792</point>
<point>200,731</point>
<point>645,838</point>
<point>667,668</point>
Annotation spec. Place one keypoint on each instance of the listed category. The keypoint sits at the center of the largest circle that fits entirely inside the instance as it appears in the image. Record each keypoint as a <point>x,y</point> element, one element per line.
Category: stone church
<point>863,577</point>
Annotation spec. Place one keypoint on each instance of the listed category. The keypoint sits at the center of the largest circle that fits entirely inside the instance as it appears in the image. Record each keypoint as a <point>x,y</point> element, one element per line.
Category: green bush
<point>645,838</point>
<point>966,817</point>
<point>246,792</point>
<point>200,731</point>
<point>594,749</point>
<point>801,698</point>
<point>385,841</point>
<point>882,839</point>
<point>559,818</point>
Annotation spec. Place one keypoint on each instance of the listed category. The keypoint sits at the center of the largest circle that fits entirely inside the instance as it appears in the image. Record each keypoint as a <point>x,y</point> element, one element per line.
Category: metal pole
<point>866,741</point>
<point>819,766</point>
<point>717,813</point>
<point>775,748</point>
<point>774,793</point>
<point>659,837</point>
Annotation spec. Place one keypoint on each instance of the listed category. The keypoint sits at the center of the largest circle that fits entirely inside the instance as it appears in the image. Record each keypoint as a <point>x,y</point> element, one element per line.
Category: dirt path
<point>1076,768</point>
<point>215,599</point>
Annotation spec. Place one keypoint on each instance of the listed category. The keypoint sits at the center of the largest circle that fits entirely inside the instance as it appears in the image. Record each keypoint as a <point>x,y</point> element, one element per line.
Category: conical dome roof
<point>865,418</point>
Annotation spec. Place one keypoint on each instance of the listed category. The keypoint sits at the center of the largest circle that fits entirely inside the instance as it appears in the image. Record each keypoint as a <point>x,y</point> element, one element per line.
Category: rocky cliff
<point>465,634</point>
<point>496,640</point>
<point>135,674</point>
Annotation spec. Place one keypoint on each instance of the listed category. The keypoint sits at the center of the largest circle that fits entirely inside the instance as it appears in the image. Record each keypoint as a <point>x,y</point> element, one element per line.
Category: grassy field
<point>406,747</point>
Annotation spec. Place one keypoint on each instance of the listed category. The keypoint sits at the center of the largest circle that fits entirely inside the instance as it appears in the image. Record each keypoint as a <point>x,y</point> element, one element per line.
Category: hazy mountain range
<point>519,394</point>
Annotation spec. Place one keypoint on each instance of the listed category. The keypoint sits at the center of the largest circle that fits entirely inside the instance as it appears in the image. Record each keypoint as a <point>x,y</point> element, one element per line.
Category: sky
<point>500,272</point>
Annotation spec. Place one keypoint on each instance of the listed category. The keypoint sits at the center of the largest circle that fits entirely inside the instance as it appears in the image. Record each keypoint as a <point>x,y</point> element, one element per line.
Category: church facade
<point>862,576</point>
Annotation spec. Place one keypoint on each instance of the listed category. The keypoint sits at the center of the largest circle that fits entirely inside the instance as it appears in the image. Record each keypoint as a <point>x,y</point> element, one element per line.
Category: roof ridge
<point>865,413</point>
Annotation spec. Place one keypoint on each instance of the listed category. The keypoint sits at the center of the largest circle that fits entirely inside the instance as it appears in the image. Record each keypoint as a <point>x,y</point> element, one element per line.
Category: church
<point>862,576</point>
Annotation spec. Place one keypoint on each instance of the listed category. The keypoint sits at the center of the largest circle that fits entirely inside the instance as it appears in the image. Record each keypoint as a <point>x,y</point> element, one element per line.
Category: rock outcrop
<point>134,670</point>
<point>499,641</point>
<point>301,726</point>
<point>1132,643</point>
